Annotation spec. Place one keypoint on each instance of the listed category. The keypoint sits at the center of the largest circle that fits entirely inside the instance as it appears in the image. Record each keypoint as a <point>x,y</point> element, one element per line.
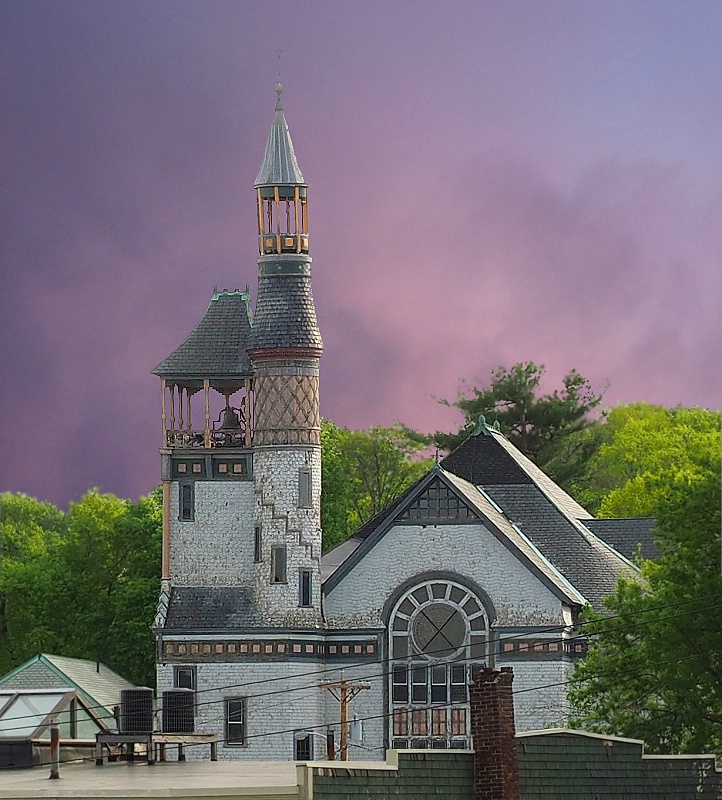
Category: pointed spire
<point>279,167</point>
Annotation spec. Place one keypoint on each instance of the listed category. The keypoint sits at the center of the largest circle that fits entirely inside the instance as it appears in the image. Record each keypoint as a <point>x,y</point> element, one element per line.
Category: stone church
<point>484,561</point>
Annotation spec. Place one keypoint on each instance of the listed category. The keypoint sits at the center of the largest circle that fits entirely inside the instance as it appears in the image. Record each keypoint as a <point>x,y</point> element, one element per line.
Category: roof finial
<point>279,89</point>
<point>481,427</point>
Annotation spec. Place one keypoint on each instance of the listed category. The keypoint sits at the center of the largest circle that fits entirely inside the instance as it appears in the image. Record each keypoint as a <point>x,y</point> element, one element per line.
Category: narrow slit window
<point>187,501</point>
<point>257,544</point>
<point>278,564</point>
<point>305,586</point>
<point>304,488</point>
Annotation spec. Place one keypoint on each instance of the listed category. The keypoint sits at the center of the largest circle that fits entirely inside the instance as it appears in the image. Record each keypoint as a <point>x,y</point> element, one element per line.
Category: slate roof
<point>344,557</point>
<point>554,522</point>
<point>212,608</point>
<point>285,314</point>
<point>546,525</point>
<point>217,346</point>
<point>279,167</point>
<point>587,562</point>
<point>490,459</point>
<point>628,536</point>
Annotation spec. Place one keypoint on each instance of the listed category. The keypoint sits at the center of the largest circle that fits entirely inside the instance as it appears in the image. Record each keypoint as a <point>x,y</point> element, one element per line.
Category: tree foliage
<point>82,584</point>
<point>548,428</point>
<point>655,670</point>
<point>641,450</point>
<point>362,472</point>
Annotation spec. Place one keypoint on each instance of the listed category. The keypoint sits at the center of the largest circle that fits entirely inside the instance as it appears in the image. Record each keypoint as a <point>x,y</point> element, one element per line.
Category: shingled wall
<point>559,764</point>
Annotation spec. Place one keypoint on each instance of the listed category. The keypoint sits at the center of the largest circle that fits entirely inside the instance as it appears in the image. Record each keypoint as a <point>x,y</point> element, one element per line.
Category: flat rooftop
<point>207,779</point>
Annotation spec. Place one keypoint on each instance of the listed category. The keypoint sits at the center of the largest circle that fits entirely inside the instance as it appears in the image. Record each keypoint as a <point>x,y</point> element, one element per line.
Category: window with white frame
<point>438,633</point>
<point>235,721</point>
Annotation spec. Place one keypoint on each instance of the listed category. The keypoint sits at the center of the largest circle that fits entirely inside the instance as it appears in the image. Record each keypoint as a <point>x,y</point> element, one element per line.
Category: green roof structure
<point>98,685</point>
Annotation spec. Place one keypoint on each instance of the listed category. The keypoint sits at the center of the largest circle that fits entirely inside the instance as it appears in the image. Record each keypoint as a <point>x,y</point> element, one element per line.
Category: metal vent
<point>136,710</point>
<point>178,707</point>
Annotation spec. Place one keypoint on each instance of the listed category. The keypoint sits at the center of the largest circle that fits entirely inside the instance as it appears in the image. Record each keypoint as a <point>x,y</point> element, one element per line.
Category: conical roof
<point>279,167</point>
<point>216,348</point>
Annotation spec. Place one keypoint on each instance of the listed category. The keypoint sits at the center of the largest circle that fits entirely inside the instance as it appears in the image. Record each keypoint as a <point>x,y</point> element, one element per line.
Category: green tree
<point>640,451</point>
<point>655,669</point>
<point>548,428</point>
<point>363,471</point>
<point>91,592</point>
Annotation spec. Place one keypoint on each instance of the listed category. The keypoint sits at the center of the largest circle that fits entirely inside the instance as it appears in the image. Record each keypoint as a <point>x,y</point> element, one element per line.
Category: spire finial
<point>279,89</point>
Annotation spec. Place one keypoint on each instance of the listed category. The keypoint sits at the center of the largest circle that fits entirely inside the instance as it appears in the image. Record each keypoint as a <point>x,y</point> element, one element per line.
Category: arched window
<point>438,631</point>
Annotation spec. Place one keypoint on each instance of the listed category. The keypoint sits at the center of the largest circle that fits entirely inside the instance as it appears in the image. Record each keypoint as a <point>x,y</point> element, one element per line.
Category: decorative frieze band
<point>205,650</point>
<point>542,648</point>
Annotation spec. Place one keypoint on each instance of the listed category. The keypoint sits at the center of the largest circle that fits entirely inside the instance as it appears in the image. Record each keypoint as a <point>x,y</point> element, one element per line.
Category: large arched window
<point>438,631</point>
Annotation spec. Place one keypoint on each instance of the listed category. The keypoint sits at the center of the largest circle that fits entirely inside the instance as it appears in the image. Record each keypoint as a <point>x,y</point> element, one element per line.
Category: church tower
<point>240,602</point>
<point>284,348</point>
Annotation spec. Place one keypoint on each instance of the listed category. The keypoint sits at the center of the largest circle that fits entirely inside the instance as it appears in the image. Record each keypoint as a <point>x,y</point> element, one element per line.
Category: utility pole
<point>344,691</point>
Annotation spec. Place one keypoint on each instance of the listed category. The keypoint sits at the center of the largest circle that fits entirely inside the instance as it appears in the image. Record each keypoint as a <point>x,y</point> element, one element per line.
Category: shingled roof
<point>285,314</point>
<point>529,508</point>
<point>212,608</point>
<point>216,348</point>
<point>630,537</point>
<point>554,522</point>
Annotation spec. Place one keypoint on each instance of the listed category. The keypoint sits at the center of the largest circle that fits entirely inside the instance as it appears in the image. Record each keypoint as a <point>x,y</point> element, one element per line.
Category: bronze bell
<point>230,420</point>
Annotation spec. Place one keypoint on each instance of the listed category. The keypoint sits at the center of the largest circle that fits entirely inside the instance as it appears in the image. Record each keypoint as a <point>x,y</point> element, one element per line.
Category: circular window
<point>439,620</point>
<point>438,629</point>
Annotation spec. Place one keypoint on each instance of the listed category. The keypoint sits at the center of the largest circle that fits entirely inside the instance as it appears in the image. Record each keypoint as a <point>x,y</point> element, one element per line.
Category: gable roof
<point>490,459</point>
<point>98,684</point>
<point>535,517</point>
<point>550,517</point>
<point>482,507</point>
<point>216,348</point>
<point>27,713</point>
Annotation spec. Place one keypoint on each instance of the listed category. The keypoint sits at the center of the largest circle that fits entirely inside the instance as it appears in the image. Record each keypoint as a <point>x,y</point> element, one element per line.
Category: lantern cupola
<point>281,193</point>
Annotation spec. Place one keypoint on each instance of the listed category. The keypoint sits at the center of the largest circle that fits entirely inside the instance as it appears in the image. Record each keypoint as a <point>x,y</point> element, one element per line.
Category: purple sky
<point>489,183</point>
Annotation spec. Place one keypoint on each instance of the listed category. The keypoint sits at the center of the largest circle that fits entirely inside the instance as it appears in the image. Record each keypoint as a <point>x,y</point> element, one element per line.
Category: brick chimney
<point>496,769</point>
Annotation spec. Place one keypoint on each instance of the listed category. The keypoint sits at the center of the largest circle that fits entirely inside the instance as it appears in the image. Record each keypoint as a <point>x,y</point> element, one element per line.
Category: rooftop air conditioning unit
<point>178,711</point>
<point>136,710</point>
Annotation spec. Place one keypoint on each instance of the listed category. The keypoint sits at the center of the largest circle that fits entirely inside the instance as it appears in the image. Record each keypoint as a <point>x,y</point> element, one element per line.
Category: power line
<point>427,707</point>
<point>386,673</point>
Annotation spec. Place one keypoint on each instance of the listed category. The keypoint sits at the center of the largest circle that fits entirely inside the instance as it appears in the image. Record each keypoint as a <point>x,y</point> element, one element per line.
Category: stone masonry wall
<point>284,522</point>
<point>543,707</point>
<point>216,547</point>
<point>281,698</point>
